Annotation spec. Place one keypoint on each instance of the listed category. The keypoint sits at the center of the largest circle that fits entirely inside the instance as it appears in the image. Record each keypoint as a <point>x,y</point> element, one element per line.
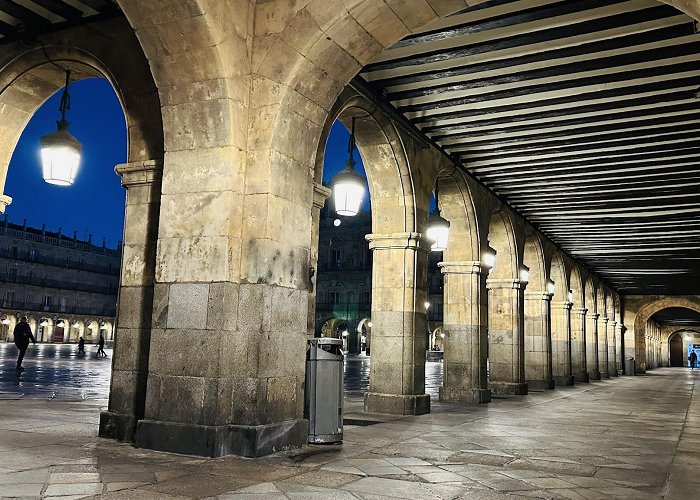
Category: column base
<point>119,426</point>
<point>215,441</point>
<point>517,389</point>
<point>395,404</point>
<point>613,373</point>
<point>540,385</point>
<point>581,378</point>
<point>594,375</point>
<point>455,395</point>
<point>604,375</point>
<point>564,380</point>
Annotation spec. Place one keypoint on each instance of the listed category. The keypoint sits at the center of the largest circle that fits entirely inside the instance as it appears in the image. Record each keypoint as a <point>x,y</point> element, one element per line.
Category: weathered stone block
<point>187,305</point>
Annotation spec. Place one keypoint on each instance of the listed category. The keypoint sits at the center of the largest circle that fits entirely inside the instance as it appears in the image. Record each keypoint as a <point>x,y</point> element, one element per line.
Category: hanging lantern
<point>438,227</point>
<point>348,185</point>
<point>551,288</point>
<point>489,257</point>
<point>438,231</point>
<point>524,274</point>
<point>60,151</point>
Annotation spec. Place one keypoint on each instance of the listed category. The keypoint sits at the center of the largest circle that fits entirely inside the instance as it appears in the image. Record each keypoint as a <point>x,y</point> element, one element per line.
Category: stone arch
<point>458,207</point>
<point>384,156</point>
<point>502,238</point>
<point>560,274</point>
<point>534,259</point>
<point>577,284</point>
<point>644,315</point>
<point>27,79</point>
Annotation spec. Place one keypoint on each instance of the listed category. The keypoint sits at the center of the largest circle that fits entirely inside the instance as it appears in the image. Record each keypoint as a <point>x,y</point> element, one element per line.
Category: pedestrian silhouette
<point>22,334</point>
<point>81,346</point>
<point>101,347</point>
<point>693,358</point>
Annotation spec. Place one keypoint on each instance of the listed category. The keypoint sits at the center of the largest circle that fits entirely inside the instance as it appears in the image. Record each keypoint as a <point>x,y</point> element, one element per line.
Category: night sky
<point>95,202</point>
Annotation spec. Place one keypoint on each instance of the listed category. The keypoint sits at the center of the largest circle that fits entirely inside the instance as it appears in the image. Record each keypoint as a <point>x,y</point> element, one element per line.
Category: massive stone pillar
<point>538,341</point>
<point>465,313</point>
<point>399,324</point>
<point>592,366</point>
<point>620,342</point>
<point>127,396</point>
<point>561,343</point>
<point>612,348</point>
<point>578,344</point>
<point>603,365</point>
<point>506,336</point>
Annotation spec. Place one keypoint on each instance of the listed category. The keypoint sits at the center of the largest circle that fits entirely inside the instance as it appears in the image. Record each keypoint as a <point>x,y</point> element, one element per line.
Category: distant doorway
<point>676,351</point>
<point>57,335</point>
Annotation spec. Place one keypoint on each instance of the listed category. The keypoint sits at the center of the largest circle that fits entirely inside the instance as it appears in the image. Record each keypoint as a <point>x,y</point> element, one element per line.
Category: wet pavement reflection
<point>357,375</point>
<point>54,371</point>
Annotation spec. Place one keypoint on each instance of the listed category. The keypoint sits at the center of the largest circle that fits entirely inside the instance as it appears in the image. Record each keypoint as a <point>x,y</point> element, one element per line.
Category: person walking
<point>22,334</point>
<point>101,347</point>
<point>81,346</point>
<point>693,358</point>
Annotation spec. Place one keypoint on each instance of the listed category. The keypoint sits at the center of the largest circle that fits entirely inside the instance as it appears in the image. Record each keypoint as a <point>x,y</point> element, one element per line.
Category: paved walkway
<point>632,437</point>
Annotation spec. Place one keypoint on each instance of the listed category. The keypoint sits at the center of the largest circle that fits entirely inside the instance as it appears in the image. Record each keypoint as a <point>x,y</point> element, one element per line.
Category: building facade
<point>66,287</point>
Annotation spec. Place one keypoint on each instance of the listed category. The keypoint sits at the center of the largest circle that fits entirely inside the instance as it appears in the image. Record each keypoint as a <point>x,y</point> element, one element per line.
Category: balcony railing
<point>51,283</point>
<point>26,256</point>
<point>22,305</point>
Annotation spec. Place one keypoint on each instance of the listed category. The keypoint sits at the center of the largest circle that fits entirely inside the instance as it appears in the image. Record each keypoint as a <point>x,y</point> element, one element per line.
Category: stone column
<point>132,337</point>
<point>538,340</point>
<point>603,365</point>
<point>578,344</point>
<point>399,324</point>
<point>620,341</point>
<point>592,346</point>
<point>612,349</point>
<point>506,336</point>
<point>465,316</point>
<point>321,194</point>
<point>561,343</point>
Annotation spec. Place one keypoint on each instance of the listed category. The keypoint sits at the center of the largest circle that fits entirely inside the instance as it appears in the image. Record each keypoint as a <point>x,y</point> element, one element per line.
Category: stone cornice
<point>398,241</point>
<point>139,173</point>
<point>4,201</point>
<point>464,267</point>
<point>321,194</point>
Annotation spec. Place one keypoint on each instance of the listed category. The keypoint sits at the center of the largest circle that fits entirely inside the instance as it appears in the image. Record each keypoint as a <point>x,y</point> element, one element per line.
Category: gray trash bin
<point>629,366</point>
<point>323,399</point>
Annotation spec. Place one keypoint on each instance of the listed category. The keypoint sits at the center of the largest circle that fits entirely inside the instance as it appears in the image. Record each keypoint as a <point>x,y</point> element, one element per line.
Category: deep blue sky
<point>95,202</point>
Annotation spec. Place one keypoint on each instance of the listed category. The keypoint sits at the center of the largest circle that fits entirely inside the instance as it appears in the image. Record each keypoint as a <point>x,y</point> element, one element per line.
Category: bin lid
<point>326,341</point>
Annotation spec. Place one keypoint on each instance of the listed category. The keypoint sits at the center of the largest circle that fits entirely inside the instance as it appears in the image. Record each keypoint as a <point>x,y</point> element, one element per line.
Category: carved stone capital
<point>4,201</point>
<point>398,241</point>
<point>139,173</point>
<point>321,194</point>
<point>465,267</point>
<point>492,284</point>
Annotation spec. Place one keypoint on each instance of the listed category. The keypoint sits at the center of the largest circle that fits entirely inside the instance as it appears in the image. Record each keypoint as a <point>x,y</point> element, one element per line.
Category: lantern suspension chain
<point>65,98</point>
<point>350,163</point>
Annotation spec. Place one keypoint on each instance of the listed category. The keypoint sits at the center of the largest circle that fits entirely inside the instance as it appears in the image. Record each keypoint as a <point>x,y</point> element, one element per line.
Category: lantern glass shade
<point>489,258</point>
<point>438,232</point>
<point>524,274</point>
<point>348,192</point>
<point>550,286</point>
<point>60,156</point>
<point>571,297</point>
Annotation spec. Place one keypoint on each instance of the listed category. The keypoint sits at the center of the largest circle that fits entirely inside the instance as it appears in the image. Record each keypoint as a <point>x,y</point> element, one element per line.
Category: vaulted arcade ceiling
<point>25,19</point>
<point>581,114</point>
